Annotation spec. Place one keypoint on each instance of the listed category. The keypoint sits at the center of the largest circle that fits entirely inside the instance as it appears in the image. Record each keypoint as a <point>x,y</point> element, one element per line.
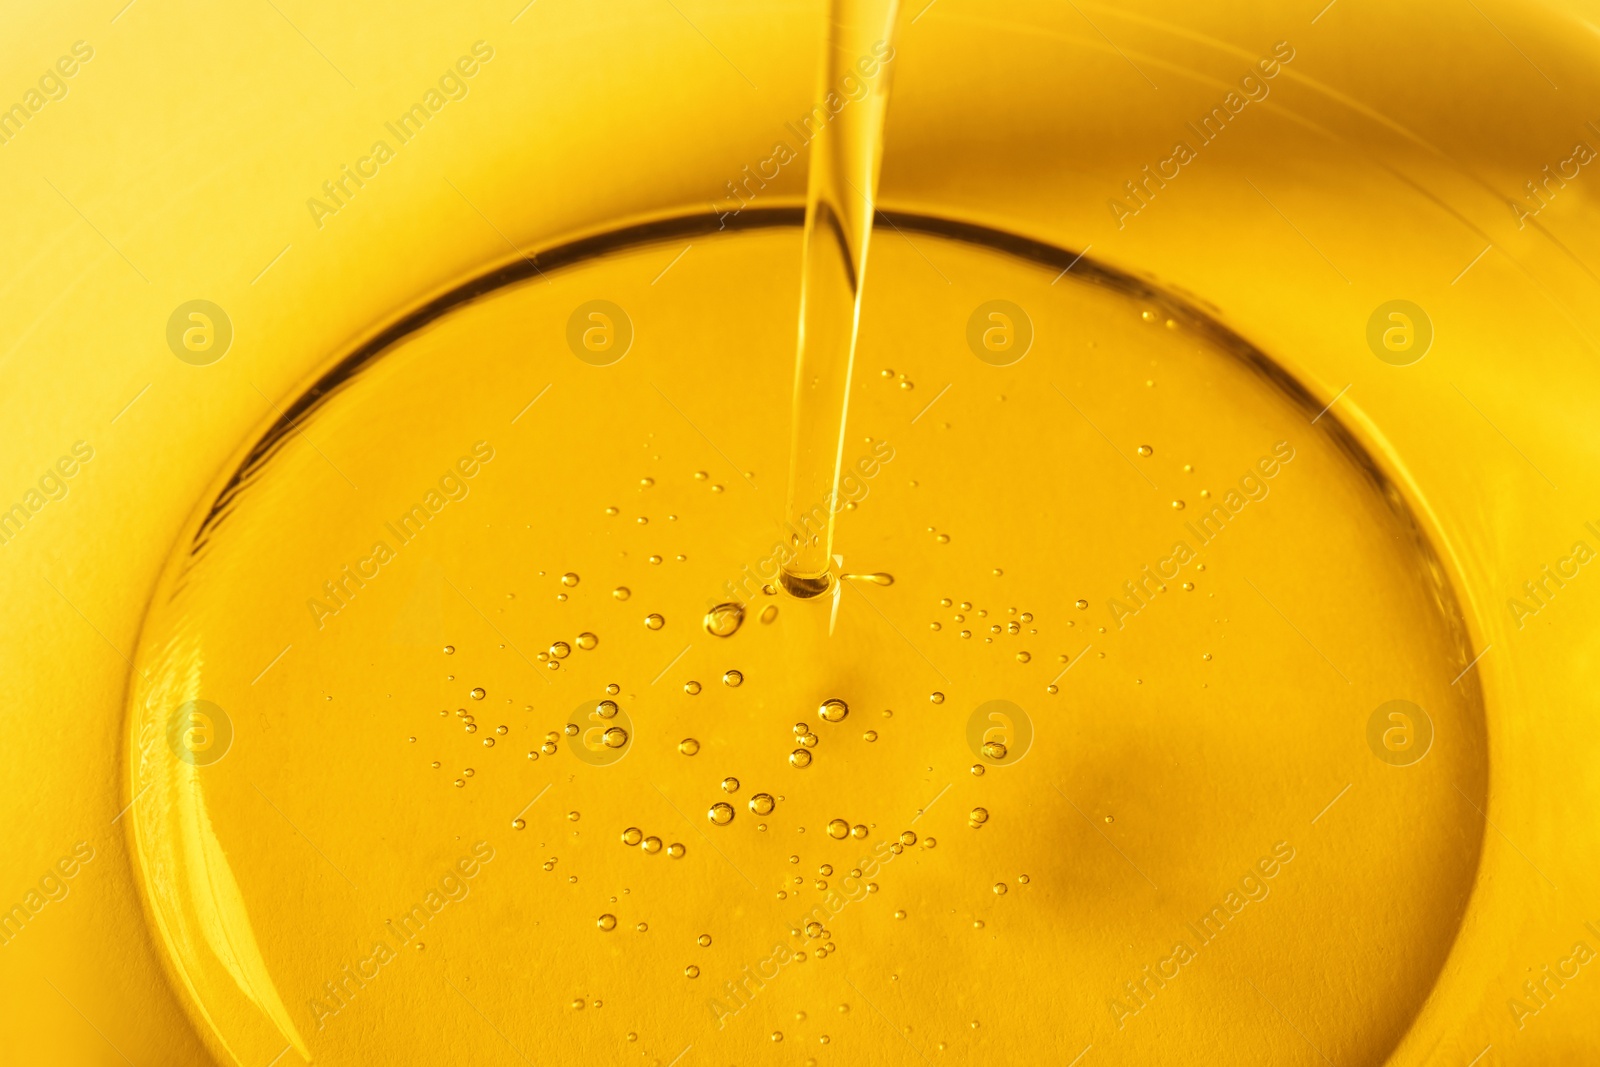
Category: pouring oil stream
<point>841,191</point>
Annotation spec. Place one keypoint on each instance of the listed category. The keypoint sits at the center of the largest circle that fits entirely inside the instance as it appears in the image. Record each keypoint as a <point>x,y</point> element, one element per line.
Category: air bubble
<point>800,758</point>
<point>632,835</point>
<point>692,688</point>
<point>724,620</point>
<point>654,621</point>
<point>838,829</point>
<point>607,922</point>
<point>569,579</point>
<point>621,592</point>
<point>587,641</point>
<point>720,813</point>
<point>688,746</point>
<point>834,710</point>
<point>762,803</point>
<point>733,679</point>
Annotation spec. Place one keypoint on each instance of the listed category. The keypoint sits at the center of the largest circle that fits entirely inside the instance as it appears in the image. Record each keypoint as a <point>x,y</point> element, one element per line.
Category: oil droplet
<point>1188,587</point>
<point>977,770</point>
<point>813,929</point>
<point>720,813</point>
<point>733,679</point>
<point>449,650</point>
<point>587,641</point>
<point>645,483</point>
<point>808,739</point>
<point>838,829</point>
<point>704,940</point>
<point>834,710</point>
<point>560,650</point>
<point>676,850</point>
<point>858,831</point>
<point>800,758</point>
<point>908,838</point>
<point>1023,657</point>
<point>978,816</point>
<point>1177,505</point>
<point>777,1035</point>
<point>899,914</point>
<point>724,620</point>
<point>692,688</point>
<point>870,735</point>
<point>573,816</point>
<point>517,824</point>
<point>478,693</point>
<point>622,592</point>
<point>929,842</point>
<point>1082,605</point>
<point>607,922</point>
<point>826,870</point>
<point>937,698</point>
<point>651,844</point>
<point>701,476</point>
<point>1146,450</point>
<point>569,579</point>
<point>995,750</point>
<point>943,539</point>
<point>730,785</point>
<point>632,835</point>
<point>1023,879</point>
<point>769,613</point>
<point>688,746</point>
<point>548,748</point>
<point>654,621</point>
<point>999,891</point>
<point>691,971</point>
<point>762,803</point>
<point>606,709</point>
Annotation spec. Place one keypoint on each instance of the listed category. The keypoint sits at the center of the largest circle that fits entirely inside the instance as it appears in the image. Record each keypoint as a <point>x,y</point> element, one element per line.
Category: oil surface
<point>525,764</point>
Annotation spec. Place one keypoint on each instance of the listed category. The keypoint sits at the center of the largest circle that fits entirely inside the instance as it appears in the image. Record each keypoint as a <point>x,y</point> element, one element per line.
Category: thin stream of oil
<point>841,190</point>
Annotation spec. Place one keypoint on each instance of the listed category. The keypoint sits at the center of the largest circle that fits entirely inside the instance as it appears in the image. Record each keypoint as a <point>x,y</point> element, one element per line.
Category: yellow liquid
<point>842,186</point>
<point>1179,738</point>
